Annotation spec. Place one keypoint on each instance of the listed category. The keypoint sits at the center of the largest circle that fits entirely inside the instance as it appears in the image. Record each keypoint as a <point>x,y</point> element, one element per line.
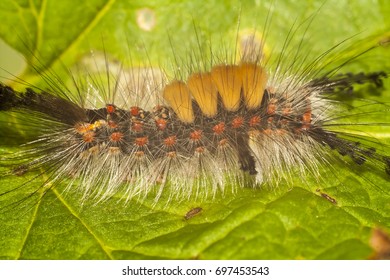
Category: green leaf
<point>293,221</point>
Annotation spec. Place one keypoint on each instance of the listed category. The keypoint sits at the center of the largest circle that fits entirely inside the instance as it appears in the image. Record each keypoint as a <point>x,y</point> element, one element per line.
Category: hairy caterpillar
<point>250,119</point>
<point>264,146</point>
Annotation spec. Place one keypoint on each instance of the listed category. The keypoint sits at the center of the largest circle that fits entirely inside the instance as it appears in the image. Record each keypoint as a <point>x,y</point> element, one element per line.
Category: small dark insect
<point>193,212</point>
<point>327,197</point>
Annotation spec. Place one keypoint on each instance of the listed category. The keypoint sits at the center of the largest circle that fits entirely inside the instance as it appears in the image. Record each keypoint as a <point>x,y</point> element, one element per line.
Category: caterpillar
<point>231,120</point>
<point>240,123</point>
<point>264,160</point>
